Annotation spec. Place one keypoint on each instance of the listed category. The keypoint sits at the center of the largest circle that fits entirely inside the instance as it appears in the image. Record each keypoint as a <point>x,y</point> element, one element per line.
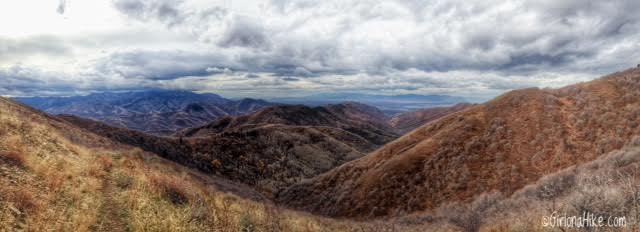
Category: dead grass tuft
<point>22,199</point>
<point>106,162</point>
<point>172,188</point>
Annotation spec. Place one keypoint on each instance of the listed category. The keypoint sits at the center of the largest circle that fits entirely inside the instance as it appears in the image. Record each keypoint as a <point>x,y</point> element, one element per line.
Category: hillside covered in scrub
<point>501,145</point>
<point>60,173</point>
<point>270,149</point>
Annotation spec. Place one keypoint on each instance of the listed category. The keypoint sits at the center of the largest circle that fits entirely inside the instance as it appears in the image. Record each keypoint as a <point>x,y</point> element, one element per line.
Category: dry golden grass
<point>172,188</point>
<point>75,181</point>
<point>21,198</point>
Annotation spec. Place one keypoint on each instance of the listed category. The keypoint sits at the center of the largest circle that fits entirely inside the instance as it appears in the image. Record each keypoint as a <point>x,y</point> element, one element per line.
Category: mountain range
<point>527,152</point>
<point>390,104</point>
<point>271,148</point>
<point>154,111</point>
<point>163,112</point>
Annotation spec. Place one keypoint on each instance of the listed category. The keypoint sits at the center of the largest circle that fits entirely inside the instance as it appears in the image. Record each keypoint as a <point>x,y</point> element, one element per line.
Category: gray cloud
<point>251,76</point>
<point>20,81</point>
<point>376,36</point>
<point>162,10</point>
<point>158,65</point>
<point>61,7</point>
<point>243,32</point>
<point>11,48</point>
<point>395,46</point>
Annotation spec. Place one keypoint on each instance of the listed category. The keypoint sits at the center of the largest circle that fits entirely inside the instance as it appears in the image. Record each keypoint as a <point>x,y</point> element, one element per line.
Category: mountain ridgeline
<point>269,149</point>
<point>501,145</point>
<point>156,111</point>
<point>362,120</point>
<point>389,104</point>
<point>266,145</point>
<point>408,121</point>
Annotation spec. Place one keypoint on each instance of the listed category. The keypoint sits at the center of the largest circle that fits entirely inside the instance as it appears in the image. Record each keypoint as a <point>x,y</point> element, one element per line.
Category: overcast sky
<point>276,48</point>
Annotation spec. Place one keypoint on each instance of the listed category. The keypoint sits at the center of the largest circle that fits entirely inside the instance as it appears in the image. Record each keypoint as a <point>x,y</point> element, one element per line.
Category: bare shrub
<point>622,158</point>
<point>552,186</point>
<point>628,184</point>
<point>470,217</point>
<point>600,196</point>
<point>635,141</point>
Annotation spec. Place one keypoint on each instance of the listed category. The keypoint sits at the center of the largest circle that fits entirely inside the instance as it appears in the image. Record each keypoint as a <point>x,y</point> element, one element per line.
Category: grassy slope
<point>268,157</point>
<point>54,176</point>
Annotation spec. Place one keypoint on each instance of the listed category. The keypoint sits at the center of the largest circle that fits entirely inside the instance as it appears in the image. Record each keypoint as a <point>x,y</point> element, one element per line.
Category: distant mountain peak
<point>154,110</point>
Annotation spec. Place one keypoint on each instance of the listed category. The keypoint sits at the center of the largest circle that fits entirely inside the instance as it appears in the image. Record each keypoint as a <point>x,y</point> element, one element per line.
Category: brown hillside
<point>500,145</point>
<point>362,120</point>
<point>406,122</point>
<point>55,176</point>
<point>270,149</point>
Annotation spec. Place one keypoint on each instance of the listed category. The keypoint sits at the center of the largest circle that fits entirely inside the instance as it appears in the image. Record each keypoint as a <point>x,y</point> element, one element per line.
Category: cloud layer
<point>261,48</point>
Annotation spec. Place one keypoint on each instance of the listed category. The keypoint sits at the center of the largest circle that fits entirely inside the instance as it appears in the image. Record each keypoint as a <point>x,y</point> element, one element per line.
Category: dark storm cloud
<point>18,80</point>
<point>244,32</point>
<point>251,76</point>
<point>401,45</point>
<point>378,36</point>
<point>22,81</point>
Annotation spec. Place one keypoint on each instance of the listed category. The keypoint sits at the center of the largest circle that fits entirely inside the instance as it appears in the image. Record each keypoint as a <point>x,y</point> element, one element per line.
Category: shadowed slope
<point>270,149</point>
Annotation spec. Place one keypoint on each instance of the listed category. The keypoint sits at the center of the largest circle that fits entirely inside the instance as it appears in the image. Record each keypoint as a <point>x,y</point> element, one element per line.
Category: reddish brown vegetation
<point>270,149</point>
<point>172,188</point>
<point>22,199</point>
<point>498,146</point>
<point>362,120</point>
<point>13,158</point>
<point>409,121</point>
